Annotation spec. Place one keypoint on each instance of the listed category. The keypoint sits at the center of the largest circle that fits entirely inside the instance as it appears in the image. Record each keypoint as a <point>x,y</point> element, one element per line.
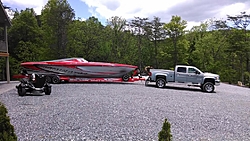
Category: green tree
<point>25,40</point>
<point>165,133</point>
<point>25,32</point>
<point>156,33</point>
<point>241,22</point>
<point>117,25</point>
<point>175,30</point>
<point>209,51</point>
<point>138,29</point>
<point>7,132</point>
<point>56,17</point>
<point>193,36</point>
<point>85,38</point>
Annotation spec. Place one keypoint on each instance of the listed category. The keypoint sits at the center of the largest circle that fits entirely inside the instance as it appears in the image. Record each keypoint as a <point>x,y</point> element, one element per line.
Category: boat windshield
<point>69,60</point>
<point>81,60</point>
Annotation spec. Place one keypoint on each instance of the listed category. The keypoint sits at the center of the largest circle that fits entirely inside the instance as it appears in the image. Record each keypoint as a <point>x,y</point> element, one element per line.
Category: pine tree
<point>165,133</point>
<point>7,132</point>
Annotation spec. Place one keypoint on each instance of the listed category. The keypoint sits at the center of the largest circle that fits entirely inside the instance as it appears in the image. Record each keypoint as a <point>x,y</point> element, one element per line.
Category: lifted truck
<point>184,74</point>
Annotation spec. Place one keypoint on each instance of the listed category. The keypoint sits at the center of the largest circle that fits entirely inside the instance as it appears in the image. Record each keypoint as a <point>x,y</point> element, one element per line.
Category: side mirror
<point>197,72</point>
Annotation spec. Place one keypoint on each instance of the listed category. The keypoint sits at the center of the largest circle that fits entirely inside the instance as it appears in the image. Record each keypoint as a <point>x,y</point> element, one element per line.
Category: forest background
<point>218,46</point>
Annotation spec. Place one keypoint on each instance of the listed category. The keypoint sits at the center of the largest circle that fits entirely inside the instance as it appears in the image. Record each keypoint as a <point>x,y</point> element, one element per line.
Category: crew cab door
<point>194,75</point>
<point>181,74</point>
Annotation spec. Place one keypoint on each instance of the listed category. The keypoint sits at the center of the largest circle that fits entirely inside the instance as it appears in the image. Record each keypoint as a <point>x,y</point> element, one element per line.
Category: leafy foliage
<point>7,132</point>
<point>221,47</point>
<point>175,30</point>
<point>165,133</point>
<point>56,17</point>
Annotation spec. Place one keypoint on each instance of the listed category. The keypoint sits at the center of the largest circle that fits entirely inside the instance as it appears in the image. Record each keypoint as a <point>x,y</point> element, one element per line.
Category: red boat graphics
<point>79,67</point>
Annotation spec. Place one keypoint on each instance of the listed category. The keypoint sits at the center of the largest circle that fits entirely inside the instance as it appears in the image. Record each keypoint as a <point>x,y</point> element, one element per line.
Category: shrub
<point>7,132</point>
<point>165,133</point>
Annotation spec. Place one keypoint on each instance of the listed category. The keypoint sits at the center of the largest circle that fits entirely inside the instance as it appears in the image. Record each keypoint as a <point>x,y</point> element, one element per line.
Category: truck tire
<point>208,87</point>
<point>160,83</point>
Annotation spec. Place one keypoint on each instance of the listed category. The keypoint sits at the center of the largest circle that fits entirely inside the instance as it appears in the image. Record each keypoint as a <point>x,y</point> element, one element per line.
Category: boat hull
<point>81,71</point>
<point>78,67</point>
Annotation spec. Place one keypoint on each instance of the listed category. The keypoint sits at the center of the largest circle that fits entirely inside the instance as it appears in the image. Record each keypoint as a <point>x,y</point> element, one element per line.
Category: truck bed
<point>170,73</point>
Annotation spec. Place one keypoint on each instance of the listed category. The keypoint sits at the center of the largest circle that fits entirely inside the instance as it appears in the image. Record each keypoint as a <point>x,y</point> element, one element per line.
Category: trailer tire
<point>208,87</point>
<point>160,82</point>
<point>125,77</point>
<point>55,79</point>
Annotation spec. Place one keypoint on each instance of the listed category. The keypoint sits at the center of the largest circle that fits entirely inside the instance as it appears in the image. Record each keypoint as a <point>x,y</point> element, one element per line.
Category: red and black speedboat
<point>78,67</point>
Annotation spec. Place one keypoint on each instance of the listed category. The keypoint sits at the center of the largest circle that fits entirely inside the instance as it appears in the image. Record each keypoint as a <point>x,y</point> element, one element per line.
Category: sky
<point>192,11</point>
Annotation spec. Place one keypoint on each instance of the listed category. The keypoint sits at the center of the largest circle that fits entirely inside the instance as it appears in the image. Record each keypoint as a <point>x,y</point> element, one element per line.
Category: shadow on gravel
<point>30,94</point>
<point>177,88</point>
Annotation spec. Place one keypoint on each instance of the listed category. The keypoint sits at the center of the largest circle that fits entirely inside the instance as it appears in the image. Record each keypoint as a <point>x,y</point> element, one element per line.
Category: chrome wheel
<point>160,83</point>
<point>208,87</point>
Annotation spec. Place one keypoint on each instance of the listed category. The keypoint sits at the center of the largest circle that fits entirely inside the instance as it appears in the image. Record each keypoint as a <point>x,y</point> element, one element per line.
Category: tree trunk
<point>156,54</point>
<point>139,53</point>
<point>175,51</point>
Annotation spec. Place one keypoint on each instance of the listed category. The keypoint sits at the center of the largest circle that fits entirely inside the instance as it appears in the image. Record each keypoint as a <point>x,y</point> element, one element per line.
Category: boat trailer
<point>55,78</point>
<point>80,79</point>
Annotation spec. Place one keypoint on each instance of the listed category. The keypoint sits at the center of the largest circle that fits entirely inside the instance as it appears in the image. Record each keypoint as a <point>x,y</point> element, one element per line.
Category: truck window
<point>182,69</point>
<point>191,70</point>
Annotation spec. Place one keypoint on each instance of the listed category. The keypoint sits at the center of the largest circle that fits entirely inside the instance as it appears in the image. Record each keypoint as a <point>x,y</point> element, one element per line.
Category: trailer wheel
<point>208,87</point>
<point>55,79</point>
<point>21,90</point>
<point>125,77</point>
<point>160,83</point>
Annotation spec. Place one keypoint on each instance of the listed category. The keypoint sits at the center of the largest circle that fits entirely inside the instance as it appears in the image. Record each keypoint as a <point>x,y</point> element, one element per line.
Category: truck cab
<point>184,74</point>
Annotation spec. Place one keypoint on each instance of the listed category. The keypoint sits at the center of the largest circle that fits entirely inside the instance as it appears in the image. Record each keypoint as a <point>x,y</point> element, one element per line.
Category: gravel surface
<point>130,112</point>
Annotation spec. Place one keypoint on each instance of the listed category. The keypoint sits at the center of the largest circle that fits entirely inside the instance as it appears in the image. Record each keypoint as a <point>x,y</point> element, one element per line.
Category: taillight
<point>33,77</point>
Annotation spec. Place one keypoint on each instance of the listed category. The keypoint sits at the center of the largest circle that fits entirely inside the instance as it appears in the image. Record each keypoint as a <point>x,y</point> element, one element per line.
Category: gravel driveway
<point>130,112</point>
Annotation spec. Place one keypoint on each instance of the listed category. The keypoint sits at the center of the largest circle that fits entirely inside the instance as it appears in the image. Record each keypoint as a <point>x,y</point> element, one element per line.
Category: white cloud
<point>190,24</point>
<point>36,4</point>
<point>129,8</point>
<point>233,9</point>
<point>193,11</point>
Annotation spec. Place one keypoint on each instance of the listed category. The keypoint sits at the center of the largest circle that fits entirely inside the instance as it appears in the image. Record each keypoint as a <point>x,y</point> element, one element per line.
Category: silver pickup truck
<point>184,74</point>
